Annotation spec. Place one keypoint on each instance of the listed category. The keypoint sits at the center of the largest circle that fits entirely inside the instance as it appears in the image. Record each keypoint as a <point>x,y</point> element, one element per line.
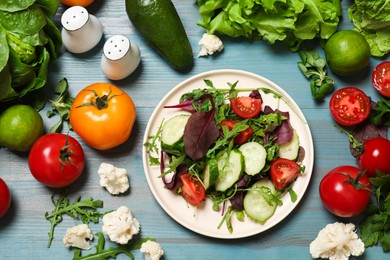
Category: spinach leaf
<point>29,40</point>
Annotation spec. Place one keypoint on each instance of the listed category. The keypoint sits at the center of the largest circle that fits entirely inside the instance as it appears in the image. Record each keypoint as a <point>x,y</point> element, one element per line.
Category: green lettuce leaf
<point>290,21</point>
<point>372,19</point>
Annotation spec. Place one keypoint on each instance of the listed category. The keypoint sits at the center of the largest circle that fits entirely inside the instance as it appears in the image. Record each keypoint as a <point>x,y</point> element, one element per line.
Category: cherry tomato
<point>5,198</point>
<point>349,106</point>
<point>340,196</point>
<point>56,160</point>
<point>246,107</point>
<point>284,172</point>
<point>83,3</point>
<point>375,156</point>
<point>192,189</point>
<point>243,136</point>
<point>103,115</point>
<point>381,78</point>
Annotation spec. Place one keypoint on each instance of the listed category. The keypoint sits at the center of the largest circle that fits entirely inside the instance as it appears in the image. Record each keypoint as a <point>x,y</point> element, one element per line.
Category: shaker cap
<point>74,18</point>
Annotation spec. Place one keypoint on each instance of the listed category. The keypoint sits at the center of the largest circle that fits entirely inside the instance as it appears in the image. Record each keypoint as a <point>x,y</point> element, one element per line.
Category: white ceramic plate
<point>203,219</point>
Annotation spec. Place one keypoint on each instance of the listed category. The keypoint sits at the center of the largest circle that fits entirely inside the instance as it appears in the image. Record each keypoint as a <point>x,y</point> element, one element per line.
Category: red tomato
<point>192,190</point>
<point>243,136</point>
<point>381,78</point>
<point>375,156</point>
<point>349,106</point>
<point>5,198</point>
<point>340,196</point>
<point>246,107</point>
<point>56,160</point>
<point>283,172</point>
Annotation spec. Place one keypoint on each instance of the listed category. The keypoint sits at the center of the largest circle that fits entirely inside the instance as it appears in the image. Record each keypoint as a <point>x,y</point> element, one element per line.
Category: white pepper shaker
<point>120,57</point>
<point>81,31</point>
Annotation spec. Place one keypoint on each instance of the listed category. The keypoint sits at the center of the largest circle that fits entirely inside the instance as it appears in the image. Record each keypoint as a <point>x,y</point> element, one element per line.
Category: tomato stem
<point>65,154</point>
<point>100,102</point>
<point>355,181</point>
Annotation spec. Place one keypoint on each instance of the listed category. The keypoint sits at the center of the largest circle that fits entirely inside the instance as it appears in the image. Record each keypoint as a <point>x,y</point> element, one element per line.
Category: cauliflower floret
<point>114,179</point>
<point>337,241</point>
<point>152,250</point>
<point>78,236</point>
<point>120,225</point>
<point>210,44</point>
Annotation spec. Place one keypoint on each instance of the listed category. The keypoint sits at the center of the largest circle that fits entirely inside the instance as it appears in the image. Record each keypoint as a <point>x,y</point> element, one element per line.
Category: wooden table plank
<point>23,232</point>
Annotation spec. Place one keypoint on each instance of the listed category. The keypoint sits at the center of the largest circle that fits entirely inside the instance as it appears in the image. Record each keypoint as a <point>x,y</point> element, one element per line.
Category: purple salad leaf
<point>200,133</point>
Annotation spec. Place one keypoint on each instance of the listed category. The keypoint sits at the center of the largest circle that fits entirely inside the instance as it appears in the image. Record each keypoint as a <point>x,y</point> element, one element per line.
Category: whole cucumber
<point>159,24</point>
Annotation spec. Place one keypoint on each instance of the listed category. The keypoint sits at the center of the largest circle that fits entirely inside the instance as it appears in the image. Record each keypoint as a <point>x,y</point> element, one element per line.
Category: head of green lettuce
<point>29,40</point>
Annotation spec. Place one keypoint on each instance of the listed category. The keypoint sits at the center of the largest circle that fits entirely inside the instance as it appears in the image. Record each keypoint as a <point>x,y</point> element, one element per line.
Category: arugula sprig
<point>85,210</point>
<point>314,68</point>
<point>111,252</point>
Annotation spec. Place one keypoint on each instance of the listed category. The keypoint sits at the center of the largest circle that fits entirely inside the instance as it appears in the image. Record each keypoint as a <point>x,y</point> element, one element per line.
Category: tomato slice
<point>349,106</point>
<point>246,107</point>
<point>283,172</point>
<point>381,78</point>
<point>243,136</point>
<point>192,190</point>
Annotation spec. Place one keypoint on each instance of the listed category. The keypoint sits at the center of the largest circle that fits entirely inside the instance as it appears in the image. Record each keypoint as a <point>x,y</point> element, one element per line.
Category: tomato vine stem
<point>100,102</point>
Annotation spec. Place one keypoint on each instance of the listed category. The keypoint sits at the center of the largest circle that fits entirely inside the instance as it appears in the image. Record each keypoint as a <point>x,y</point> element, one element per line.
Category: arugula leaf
<point>151,146</point>
<point>111,252</point>
<point>61,105</point>
<point>314,68</point>
<point>85,210</point>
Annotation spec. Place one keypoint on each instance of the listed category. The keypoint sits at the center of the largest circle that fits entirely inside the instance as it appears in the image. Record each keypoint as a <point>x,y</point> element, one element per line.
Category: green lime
<point>20,127</point>
<point>347,52</point>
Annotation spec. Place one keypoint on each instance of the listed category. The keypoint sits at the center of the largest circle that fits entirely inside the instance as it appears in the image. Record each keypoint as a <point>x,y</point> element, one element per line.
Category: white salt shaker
<point>81,31</point>
<point>120,57</point>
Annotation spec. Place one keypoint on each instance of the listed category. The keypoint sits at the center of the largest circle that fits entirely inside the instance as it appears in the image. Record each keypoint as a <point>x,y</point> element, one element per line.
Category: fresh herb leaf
<point>380,113</point>
<point>85,210</point>
<point>111,252</point>
<point>375,226</point>
<point>61,105</point>
<point>314,68</point>
<point>152,148</point>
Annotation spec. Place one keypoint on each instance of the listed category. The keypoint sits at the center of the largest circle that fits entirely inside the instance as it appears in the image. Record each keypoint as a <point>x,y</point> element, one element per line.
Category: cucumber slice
<point>210,173</point>
<point>230,169</point>
<point>290,149</point>
<point>172,134</point>
<point>255,205</point>
<point>254,156</point>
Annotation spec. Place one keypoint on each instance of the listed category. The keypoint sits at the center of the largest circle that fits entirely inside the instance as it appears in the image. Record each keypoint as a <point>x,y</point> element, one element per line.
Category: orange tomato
<point>103,115</point>
<point>83,3</point>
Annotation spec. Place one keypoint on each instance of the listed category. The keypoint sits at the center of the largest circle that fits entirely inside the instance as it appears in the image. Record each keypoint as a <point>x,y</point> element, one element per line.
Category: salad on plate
<point>229,148</point>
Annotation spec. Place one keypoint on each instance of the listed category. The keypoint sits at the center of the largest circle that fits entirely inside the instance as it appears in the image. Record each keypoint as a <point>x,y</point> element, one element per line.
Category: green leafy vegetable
<point>291,21</point>
<point>371,18</point>
<point>380,113</point>
<point>314,68</point>
<point>110,252</point>
<point>85,210</point>
<point>61,105</point>
<point>28,41</point>
<point>375,226</point>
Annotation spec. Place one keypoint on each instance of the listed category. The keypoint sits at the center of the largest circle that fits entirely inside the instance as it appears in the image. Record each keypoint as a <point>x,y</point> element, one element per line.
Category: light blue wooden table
<point>23,231</point>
